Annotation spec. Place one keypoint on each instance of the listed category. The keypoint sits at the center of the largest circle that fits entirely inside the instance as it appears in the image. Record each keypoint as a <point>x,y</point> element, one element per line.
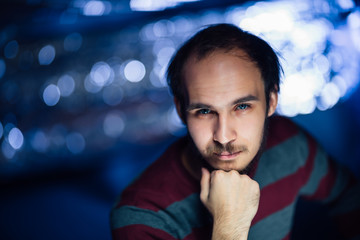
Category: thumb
<point>205,185</point>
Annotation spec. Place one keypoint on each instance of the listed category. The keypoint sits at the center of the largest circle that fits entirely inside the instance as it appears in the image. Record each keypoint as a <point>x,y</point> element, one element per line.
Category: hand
<point>232,199</point>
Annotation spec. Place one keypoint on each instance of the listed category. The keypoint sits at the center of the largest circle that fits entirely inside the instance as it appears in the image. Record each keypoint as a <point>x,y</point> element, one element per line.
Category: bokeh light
<point>90,86</point>
<point>134,71</point>
<point>155,5</point>
<point>75,142</point>
<point>66,85</point>
<point>40,141</point>
<point>7,150</point>
<point>113,124</point>
<point>101,74</point>
<point>51,95</point>
<point>345,4</point>
<point>94,8</point>
<point>46,55</point>
<point>15,138</point>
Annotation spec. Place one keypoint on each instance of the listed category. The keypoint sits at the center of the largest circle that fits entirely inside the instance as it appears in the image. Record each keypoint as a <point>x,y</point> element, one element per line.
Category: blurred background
<point>84,105</point>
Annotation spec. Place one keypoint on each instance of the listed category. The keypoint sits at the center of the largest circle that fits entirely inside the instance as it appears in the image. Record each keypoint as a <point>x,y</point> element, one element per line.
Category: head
<point>225,83</point>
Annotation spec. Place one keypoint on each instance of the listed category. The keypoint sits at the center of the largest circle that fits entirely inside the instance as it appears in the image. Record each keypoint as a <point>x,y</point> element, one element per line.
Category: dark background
<point>71,166</point>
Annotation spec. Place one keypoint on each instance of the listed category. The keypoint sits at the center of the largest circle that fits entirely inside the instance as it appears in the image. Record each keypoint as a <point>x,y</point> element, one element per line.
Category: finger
<point>205,185</point>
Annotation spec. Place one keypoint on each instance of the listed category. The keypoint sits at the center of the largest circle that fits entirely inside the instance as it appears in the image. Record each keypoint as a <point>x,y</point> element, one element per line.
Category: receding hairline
<point>196,57</point>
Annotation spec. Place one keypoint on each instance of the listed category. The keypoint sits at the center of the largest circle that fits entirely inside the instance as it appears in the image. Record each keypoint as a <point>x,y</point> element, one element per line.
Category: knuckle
<point>234,173</point>
<point>217,173</point>
<point>245,178</point>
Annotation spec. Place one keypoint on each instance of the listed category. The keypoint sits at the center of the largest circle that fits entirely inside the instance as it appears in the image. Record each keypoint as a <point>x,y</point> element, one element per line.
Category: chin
<point>227,166</point>
<point>214,164</point>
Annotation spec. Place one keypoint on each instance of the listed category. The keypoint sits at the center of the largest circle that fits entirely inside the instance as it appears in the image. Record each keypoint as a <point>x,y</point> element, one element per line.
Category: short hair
<point>223,37</point>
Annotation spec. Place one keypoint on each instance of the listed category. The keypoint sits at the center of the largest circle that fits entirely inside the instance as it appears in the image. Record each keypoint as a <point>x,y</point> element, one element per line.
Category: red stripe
<point>280,129</point>
<point>139,232</point>
<point>282,193</point>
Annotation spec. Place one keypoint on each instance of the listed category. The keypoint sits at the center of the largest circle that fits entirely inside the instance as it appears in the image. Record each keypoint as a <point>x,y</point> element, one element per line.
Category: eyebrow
<point>247,98</point>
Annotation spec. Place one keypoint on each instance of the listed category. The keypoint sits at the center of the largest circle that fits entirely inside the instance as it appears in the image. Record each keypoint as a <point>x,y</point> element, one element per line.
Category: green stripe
<point>342,179</point>
<point>178,219</point>
<point>282,160</point>
<point>274,227</point>
<point>319,170</point>
<point>129,215</point>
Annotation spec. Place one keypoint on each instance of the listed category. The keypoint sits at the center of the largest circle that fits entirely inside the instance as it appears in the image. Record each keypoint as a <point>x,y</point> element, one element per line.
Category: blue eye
<point>242,106</point>
<point>204,111</point>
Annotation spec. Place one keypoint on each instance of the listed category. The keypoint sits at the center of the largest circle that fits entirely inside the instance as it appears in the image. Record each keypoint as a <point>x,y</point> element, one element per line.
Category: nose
<point>224,131</point>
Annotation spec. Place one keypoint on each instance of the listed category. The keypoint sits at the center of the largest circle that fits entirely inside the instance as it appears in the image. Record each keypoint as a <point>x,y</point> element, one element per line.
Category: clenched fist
<point>233,201</point>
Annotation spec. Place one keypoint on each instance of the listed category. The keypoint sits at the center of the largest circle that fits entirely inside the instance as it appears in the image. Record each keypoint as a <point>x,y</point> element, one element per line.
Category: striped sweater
<point>163,203</point>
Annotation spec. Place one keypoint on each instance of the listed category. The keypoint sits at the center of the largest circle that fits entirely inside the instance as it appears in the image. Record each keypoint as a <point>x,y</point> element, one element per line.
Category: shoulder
<point>284,134</point>
<point>165,181</point>
<point>161,203</point>
<point>289,151</point>
<point>279,130</point>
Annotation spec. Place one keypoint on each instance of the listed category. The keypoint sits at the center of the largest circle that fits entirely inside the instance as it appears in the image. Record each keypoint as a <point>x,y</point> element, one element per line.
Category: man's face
<point>227,108</point>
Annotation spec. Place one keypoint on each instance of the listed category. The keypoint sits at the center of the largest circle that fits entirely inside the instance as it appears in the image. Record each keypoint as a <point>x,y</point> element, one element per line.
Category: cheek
<point>251,131</point>
<point>200,132</point>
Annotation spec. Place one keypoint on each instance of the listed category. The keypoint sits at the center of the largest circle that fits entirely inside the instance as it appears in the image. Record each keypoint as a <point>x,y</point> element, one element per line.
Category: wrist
<point>228,230</point>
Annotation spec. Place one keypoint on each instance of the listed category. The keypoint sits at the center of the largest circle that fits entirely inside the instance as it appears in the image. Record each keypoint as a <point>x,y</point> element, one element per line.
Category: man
<point>239,172</point>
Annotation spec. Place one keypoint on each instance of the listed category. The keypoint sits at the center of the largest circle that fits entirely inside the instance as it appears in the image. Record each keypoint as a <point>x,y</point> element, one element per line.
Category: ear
<point>273,100</point>
<point>178,109</point>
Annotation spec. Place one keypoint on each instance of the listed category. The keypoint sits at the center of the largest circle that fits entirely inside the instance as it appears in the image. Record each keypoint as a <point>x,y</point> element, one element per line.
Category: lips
<point>226,156</point>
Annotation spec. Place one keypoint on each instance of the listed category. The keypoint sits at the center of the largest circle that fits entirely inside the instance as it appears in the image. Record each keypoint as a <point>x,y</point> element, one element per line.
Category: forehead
<point>222,76</point>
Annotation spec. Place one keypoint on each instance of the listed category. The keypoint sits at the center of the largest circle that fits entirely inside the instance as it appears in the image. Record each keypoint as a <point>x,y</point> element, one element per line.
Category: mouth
<point>227,156</point>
